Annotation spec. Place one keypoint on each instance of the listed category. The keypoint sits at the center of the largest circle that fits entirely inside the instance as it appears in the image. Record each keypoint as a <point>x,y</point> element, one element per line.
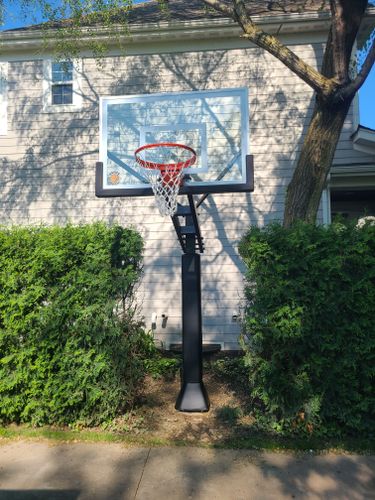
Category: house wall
<point>48,165</point>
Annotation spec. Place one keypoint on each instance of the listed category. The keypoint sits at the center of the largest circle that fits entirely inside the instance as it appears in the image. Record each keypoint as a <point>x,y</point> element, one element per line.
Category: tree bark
<point>315,160</point>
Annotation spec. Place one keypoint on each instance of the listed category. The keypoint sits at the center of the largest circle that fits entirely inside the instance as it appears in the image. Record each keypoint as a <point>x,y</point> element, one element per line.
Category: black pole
<point>193,395</point>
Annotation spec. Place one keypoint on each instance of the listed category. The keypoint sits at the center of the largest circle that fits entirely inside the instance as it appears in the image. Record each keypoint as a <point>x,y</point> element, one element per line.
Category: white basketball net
<point>163,166</point>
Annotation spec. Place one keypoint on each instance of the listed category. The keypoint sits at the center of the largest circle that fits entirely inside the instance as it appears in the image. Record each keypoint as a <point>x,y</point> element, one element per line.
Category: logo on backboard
<point>113,178</point>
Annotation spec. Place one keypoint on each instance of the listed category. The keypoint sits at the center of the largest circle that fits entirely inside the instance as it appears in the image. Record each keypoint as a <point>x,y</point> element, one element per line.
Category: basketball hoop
<point>163,165</point>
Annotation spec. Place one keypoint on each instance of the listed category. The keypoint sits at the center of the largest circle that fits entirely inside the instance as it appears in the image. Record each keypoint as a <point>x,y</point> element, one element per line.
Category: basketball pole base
<point>193,395</point>
<point>193,398</point>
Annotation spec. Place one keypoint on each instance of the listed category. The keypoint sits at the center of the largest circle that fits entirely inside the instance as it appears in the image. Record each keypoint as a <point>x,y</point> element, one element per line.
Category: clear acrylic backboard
<point>215,123</point>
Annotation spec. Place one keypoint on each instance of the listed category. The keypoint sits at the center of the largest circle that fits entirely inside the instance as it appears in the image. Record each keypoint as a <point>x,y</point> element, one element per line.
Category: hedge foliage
<point>309,328</point>
<point>70,347</point>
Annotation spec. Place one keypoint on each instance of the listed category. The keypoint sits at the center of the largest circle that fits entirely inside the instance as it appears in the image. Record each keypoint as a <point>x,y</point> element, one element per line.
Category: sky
<point>14,19</point>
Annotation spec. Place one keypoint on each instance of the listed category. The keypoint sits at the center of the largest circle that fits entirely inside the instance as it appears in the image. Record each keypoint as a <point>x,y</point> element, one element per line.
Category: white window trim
<point>356,115</point>
<point>48,107</point>
<point>355,103</point>
<point>3,98</point>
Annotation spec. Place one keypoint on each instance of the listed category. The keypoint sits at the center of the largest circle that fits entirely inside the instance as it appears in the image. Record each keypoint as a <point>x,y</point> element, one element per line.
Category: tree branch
<point>339,59</point>
<point>322,85</point>
<point>346,19</point>
<point>220,6</point>
<point>271,44</point>
<point>352,87</point>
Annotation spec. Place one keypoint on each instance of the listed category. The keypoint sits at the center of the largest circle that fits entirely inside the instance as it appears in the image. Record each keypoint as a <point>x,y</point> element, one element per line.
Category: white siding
<point>48,167</point>
<point>3,98</point>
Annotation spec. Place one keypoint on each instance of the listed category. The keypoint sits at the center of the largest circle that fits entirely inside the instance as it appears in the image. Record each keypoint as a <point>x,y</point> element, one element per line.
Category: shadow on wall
<point>53,154</point>
<point>48,166</point>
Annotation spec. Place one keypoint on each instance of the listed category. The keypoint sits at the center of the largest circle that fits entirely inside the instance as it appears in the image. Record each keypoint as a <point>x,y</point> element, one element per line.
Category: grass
<point>316,445</point>
<point>69,436</point>
<point>256,441</point>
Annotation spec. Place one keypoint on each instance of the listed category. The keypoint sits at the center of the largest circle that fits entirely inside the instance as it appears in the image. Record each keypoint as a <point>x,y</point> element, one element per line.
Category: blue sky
<point>367,101</point>
<point>14,19</point>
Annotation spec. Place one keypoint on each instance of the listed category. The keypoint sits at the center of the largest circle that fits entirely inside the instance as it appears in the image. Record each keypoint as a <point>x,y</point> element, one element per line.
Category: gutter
<point>19,40</point>
<point>202,29</point>
<point>364,140</point>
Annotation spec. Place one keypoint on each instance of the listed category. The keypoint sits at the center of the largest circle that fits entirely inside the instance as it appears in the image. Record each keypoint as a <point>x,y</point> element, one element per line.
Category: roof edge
<point>207,28</point>
<point>307,22</point>
<point>364,139</point>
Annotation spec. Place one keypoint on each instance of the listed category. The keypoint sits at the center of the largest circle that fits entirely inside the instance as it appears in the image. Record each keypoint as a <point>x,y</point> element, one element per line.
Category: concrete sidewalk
<point>39,470</point>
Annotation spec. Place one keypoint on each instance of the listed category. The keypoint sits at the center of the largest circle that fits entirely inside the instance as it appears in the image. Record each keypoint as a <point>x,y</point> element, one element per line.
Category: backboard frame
<point>243,187</point>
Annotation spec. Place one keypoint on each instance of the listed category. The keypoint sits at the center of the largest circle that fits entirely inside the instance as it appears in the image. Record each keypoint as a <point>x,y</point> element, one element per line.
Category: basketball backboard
<point>215,123</point>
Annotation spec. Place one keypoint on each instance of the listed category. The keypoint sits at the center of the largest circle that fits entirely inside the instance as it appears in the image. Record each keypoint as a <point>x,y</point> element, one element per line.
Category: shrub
<point>309,330</point>
<point>70,347</point>
<point>159,366</point>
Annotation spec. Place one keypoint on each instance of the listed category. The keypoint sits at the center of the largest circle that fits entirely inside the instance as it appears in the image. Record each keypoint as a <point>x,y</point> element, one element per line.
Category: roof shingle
<point>194,10</point>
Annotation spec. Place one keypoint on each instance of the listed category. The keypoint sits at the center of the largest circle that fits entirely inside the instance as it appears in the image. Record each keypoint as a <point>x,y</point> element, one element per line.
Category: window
<point>352,203</point>
<point>62,90</point>
<point>350,194</point>
<point>62,82</point>
<point>3,98</point>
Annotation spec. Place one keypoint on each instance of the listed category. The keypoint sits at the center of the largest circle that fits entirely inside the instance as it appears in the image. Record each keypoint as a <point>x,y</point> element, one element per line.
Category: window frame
<point>3,98</point>
<point>48,83</point>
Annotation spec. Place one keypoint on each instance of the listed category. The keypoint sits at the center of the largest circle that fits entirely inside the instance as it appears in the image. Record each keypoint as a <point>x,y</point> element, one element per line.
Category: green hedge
<point>309,330</point>
<point>70,349</point>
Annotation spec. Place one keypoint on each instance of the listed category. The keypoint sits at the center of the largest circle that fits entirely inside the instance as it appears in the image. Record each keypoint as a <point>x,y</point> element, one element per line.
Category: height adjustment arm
<point>189,235</point>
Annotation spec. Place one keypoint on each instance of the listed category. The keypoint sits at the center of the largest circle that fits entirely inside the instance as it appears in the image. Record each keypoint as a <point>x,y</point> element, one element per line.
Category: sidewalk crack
<point>143,470</point>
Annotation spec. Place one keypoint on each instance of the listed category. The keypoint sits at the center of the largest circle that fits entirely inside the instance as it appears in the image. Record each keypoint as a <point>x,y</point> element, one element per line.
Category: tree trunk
<point>305,189</point>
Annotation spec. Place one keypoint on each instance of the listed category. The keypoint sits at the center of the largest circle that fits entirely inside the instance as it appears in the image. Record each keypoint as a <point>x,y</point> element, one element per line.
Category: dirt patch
<point>155,414</point>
